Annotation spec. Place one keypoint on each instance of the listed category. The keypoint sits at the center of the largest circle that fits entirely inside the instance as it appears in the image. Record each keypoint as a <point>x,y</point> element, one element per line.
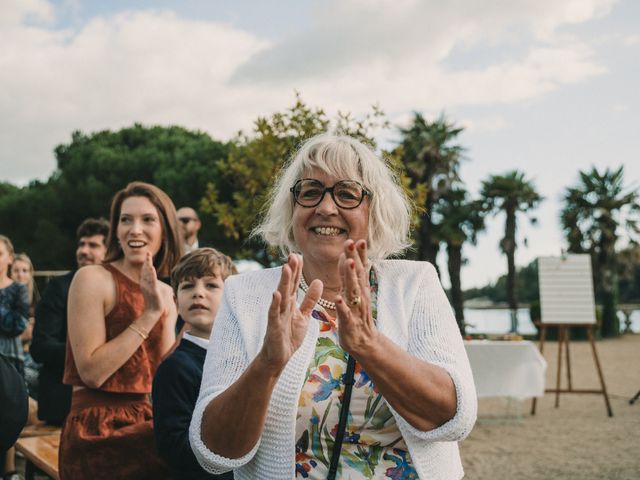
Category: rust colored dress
<point>108,433</point>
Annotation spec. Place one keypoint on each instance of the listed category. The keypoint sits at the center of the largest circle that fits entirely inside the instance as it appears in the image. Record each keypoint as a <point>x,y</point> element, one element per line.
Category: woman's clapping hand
<point>288,323</point>
<point>356,327</point>
<point>151,292</point>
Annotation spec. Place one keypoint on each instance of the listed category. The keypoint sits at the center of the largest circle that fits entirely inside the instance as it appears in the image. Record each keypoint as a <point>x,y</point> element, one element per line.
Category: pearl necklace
<point>322,302</point>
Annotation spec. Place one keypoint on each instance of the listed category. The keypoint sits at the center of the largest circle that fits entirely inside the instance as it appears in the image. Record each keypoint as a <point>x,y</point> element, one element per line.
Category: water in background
<point>498,320</point>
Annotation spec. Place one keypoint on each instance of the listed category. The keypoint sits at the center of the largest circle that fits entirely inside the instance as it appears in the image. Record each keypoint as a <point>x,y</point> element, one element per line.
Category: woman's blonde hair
<point>7,243</point>
<point>34,296</point>
<point>345,158</point>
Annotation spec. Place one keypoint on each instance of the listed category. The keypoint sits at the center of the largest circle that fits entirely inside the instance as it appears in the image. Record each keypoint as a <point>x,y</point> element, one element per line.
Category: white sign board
<point>566,289</point>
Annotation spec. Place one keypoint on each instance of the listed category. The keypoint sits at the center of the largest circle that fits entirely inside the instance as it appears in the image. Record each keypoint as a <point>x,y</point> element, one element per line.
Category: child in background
<point>198,282</point>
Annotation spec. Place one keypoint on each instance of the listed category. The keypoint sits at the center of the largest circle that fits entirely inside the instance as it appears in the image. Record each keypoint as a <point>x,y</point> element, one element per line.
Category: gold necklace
<point>322,302</point>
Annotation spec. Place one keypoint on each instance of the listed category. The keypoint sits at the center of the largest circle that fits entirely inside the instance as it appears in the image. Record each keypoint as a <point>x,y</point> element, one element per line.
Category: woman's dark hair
<point>171,248</point>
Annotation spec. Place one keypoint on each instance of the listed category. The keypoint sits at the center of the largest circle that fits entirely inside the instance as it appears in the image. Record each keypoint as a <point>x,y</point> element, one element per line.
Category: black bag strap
<point>344,413</point>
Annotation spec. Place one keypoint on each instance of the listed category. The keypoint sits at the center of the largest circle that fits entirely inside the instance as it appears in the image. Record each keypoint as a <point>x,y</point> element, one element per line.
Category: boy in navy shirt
<point>197,281</point>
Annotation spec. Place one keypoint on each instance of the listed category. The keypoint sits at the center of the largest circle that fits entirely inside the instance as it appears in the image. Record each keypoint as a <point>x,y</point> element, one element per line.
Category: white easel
<point>567,301</point>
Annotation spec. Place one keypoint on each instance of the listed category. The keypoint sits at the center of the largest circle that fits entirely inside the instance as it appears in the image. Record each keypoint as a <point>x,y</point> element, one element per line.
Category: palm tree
<point>510,193</point>
<point>461,220</point>
<point>595,212</point>
<point>431,162</point>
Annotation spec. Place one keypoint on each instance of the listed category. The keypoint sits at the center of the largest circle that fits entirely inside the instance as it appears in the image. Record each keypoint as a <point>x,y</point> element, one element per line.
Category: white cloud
<point>631,40</point>
<point>156,67</point>
<point>346,34</point>
<point>484,124</point>
<point>134,66</point>
<point>359,52</point>
<point>14,12</point>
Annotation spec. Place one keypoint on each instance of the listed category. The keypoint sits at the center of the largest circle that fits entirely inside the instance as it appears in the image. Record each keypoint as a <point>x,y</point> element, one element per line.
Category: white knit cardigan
<point>413,311</point>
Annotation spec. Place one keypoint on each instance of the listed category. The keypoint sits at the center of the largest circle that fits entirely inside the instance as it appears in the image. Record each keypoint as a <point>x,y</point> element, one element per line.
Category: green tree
<point>526,286</point>
<point>461,220</point>
<point>7,189</point>
<point>628,266</point>
<point>510,193</point>
<point>431,160</point>
<point>43,217</point>
<point>240,191</point>
<point>595,213</point>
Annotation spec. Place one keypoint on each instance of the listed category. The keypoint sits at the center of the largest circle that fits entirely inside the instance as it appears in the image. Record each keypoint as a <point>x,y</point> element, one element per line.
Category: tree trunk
<point>424,236</point>
<point>509,248</point>
<point>609,289</point>
<point>610,320</point>
<point>454,264</point>
<point>426,249</point>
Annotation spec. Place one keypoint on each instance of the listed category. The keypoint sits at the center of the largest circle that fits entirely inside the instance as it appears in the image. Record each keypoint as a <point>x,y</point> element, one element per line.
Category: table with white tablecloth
<point>513,369</point>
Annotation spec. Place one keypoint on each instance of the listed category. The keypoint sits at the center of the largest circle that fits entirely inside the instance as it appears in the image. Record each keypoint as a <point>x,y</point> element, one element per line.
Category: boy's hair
<point>202,262</point>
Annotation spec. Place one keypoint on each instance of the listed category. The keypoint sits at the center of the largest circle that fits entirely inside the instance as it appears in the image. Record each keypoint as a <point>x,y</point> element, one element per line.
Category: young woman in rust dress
<point>121,323</point>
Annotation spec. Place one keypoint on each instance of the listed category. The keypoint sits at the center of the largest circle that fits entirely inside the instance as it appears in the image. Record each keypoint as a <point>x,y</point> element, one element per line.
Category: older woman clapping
<point>339,361</point>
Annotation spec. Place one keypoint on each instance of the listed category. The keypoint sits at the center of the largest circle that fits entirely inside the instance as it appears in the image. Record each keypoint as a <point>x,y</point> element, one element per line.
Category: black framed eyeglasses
<point>346,194</point>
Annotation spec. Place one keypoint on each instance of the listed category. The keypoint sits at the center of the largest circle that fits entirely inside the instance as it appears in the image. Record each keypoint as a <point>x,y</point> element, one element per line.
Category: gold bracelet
<point>138,331</point>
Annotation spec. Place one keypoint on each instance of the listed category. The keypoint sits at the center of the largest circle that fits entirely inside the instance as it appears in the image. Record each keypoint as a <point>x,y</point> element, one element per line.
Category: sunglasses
<point>186,220</point>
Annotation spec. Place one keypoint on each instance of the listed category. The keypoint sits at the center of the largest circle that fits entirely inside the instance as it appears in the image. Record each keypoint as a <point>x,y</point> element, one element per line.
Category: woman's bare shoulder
<point>91,276</point>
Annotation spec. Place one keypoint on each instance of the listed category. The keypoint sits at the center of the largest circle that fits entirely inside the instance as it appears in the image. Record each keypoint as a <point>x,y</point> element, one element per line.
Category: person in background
<point>14,308</point>
<point>198,282</point>
<point>121,322</point>
<point>50,330</point>
<point>14,318</point>
<point>13,415</point>
<point>290,344</point>
<point>189,226</point>
<point>22,272</point>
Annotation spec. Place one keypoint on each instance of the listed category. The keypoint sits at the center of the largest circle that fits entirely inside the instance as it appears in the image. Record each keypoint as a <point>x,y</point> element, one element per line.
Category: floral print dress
<point>373,447</point>
<point>14,318</point>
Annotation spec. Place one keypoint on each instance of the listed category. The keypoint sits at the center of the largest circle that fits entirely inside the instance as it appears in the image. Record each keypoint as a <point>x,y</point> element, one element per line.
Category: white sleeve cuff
<point>211,461</point>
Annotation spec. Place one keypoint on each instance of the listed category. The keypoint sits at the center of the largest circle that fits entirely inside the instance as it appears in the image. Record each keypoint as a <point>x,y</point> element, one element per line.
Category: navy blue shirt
<point>175,391</point>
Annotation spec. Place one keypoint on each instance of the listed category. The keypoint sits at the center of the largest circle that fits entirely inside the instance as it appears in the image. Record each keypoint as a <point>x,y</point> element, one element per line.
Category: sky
<point>549,87</point>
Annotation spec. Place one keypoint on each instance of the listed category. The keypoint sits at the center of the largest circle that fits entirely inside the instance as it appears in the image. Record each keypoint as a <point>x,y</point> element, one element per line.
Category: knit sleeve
<point>226,360</point>
<point>435,338</point>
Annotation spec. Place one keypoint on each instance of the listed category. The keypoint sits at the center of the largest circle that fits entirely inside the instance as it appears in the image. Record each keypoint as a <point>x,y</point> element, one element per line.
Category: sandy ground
<point>575,441</point>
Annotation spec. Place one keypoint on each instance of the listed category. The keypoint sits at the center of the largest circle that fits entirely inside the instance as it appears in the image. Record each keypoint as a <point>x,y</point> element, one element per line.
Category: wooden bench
<point>39,429</point>
<point>40,454</point>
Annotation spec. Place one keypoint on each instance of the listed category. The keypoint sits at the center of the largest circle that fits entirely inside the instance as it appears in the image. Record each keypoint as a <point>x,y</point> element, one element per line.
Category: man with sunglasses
<point>189,226</point>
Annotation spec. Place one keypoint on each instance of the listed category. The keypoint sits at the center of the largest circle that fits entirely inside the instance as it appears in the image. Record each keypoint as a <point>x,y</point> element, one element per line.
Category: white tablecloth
<point>506,368</point>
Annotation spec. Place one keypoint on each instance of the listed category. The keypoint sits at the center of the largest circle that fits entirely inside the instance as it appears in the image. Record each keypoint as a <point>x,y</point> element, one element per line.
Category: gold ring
<point>355,300</point>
